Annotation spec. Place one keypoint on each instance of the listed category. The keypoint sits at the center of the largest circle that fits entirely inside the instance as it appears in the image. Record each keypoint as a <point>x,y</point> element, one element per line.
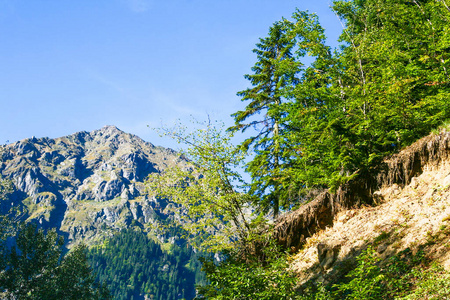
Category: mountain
<point>88,184</point>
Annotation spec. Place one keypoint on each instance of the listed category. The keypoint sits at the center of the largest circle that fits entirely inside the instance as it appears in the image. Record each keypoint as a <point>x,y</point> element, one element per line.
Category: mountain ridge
<point>85,184</point>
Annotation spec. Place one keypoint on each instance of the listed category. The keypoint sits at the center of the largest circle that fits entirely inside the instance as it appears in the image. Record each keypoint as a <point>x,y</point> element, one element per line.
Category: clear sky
<point>68,66</point>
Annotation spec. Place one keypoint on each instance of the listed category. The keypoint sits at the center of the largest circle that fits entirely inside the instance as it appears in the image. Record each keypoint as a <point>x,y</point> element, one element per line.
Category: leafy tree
<point>205,200</point>
<point>217,219</point>
<point>395,83</point>
<point>385,88</point>
<point>35,268</point>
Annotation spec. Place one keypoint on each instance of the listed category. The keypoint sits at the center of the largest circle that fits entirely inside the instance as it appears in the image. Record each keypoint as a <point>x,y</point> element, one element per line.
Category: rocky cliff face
<point>85,184</point>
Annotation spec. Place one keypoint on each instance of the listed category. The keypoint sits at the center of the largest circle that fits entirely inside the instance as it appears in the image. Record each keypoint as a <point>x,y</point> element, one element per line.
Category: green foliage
<point>339,116</point>
<point>406,275</point>
<point>6,228</point>
<point>205,200</point>
<point>321,293</point>
<point>382,236</point>
<point>317,126</point>
<point>133,265</point>
<point>216,218</point>
<point>35,268</point>
<point>274,72</point>
<point>365,280</point>
<point>433,283</point>
<point>238,277</point>
<point>388,86</point>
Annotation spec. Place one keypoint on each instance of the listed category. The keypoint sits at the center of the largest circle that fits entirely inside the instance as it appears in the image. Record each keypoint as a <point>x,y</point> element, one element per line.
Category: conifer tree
<point>395,77</point>
<point>293,98</point>
<point>274,72</point>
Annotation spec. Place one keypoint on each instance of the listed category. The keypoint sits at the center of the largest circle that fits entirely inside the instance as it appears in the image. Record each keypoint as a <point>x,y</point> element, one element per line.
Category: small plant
<point>445,219</point>
<point>383,236</point>
<point>396,245</point>
<point>366,278</point>
<point>406,214</point>
<point>433,283</point>
<point>321,293</point>
<point>431,238</point>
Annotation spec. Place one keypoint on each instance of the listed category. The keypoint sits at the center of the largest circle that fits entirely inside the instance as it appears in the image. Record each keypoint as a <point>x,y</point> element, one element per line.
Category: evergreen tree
<point>395,79</point>
<point>274,72</point>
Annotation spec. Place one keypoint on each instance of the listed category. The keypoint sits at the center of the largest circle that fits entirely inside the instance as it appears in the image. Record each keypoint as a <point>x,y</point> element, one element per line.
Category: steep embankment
<point>411,211</point>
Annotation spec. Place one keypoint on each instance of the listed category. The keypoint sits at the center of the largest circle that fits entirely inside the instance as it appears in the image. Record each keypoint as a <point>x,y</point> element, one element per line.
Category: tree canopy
<point>34,267</point>
<point>335,118</point>
<point>317,118</point>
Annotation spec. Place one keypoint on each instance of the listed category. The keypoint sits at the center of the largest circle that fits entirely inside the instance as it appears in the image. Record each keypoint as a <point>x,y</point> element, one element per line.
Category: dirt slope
<point>415,214</point>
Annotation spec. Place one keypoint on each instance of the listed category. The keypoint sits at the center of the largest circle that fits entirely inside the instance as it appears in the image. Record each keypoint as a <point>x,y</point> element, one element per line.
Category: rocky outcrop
<point>87,183</point>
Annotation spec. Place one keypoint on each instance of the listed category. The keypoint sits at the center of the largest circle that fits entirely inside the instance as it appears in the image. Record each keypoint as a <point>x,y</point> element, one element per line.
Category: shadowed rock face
<point>87,183</point>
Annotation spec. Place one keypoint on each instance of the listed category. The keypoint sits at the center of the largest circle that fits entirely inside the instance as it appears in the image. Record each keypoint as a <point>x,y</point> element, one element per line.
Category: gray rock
<point>327,255</point>
<point>86,181</point>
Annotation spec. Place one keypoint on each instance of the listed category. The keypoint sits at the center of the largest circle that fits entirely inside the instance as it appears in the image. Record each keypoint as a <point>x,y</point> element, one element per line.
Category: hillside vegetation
<point>89,188</point>
<point>348,192</point>
<point>402,238</point>
<point>321,128</point>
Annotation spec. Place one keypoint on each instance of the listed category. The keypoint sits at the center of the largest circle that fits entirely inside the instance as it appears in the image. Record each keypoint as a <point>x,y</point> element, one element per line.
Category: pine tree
<point>274,72</point>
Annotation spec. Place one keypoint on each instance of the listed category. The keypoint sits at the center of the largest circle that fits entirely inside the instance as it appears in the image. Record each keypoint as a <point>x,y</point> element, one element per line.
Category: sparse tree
<point>203,195</point>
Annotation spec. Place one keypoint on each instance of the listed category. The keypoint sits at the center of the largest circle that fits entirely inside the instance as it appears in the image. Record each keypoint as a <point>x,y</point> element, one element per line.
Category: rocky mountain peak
<point>85,183</point>
<point>108,132</point>
<point>110,128</point>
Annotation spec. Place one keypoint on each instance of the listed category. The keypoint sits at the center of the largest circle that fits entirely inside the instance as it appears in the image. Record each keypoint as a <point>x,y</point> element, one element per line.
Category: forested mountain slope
<point>90,187</point>
<point>134,266</point>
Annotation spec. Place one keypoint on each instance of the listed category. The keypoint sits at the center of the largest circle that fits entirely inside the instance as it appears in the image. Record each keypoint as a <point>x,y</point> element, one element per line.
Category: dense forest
<point>324,123</point>
<point>133,266</point>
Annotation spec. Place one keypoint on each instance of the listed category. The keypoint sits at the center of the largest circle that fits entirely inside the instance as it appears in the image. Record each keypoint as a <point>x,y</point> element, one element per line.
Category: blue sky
<point>68,66</point>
